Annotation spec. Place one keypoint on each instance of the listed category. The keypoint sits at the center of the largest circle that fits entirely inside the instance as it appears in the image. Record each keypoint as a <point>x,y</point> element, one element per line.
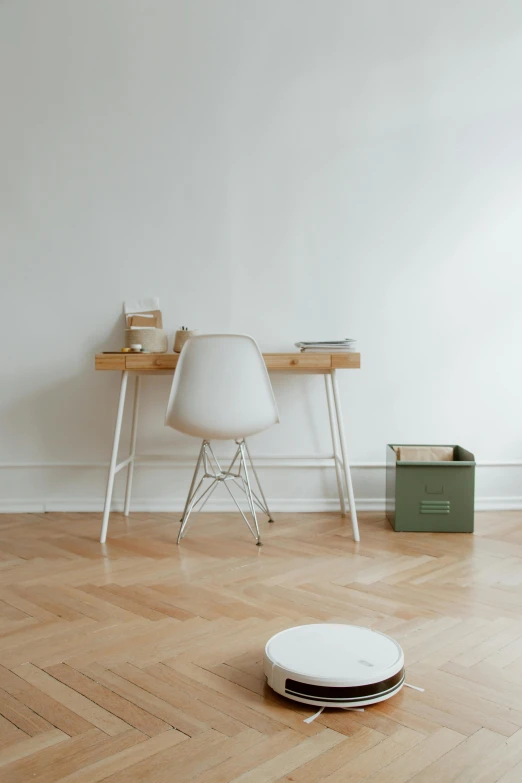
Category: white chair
<point>221,391</point>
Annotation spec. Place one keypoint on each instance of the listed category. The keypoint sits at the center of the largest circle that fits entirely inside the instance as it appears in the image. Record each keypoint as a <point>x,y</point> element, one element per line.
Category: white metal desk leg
<point>331,414</point>
<point>132,454</point>
<point>114,457</point>
<point>346,466</point>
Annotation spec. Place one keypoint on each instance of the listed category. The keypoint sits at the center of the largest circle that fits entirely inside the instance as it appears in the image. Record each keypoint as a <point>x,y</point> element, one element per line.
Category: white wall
<point>287,168</point>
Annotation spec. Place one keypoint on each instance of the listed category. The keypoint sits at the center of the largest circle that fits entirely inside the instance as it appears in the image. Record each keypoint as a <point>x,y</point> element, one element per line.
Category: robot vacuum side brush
<point>334,665</point>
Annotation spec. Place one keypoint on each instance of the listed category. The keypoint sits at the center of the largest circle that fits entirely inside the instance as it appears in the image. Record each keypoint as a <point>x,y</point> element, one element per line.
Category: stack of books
<point>331,346</point>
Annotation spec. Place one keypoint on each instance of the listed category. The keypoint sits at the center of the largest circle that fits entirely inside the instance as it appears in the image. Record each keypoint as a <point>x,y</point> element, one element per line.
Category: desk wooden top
<point>287,362</point>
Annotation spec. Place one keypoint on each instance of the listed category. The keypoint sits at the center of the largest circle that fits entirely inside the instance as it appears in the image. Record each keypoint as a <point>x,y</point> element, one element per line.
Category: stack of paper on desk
<point>330,346</point>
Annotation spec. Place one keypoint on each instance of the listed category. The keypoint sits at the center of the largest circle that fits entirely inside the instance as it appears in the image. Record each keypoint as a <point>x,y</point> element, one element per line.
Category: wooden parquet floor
<point>141,661</point>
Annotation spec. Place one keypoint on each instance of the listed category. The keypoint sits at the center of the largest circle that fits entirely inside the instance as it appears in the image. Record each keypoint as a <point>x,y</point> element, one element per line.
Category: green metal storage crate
<point>434,497</point>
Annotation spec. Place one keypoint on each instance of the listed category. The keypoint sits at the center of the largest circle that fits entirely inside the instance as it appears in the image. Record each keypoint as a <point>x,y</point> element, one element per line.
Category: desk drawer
<point>298,361</point>
<point>109,361</point>
<point>151,361</point>
<point>291,362</point>
<point>274,361</point>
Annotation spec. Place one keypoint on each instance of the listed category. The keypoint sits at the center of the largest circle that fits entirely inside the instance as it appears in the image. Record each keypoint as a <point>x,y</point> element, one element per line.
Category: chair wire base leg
<point>264,506</point>
<point>204,496</point>
<point>249,491</point>
<point>191,494</point>
<point>229,475</point>
<point>208,467</point>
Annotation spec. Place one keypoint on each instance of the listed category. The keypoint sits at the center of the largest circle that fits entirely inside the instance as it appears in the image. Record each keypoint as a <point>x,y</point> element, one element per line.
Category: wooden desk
<point>142,364</point>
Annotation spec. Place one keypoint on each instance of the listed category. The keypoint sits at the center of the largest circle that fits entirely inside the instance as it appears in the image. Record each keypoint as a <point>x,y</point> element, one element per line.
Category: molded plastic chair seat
<point>222,391</point>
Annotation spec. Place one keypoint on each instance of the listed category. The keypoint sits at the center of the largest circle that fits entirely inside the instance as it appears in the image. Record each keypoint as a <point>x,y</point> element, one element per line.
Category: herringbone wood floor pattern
<point>141,661</point>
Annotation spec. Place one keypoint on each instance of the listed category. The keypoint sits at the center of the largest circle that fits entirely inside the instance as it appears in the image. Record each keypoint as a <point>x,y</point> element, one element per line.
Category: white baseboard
<point>38,487</point>
<point>261,461</point>
<point>175,505</point>
<point>499,504</point>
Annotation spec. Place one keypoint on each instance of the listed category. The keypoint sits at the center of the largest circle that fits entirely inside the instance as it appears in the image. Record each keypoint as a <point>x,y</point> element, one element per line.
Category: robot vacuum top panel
<point>334,654</point>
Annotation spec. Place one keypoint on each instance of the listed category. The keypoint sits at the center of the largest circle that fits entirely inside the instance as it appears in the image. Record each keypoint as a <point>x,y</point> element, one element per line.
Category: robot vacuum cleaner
<point>334,665</point>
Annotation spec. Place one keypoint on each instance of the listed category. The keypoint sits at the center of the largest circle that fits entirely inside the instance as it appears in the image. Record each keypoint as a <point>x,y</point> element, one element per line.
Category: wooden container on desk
<point>182,335</point>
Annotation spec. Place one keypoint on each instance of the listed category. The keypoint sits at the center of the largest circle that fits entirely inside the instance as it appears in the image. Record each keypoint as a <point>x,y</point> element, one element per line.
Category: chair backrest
<point>221,388</point>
